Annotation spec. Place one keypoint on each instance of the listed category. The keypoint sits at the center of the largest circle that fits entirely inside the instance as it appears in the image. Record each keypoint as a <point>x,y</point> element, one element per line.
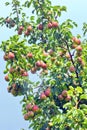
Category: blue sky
<point>10,109</point>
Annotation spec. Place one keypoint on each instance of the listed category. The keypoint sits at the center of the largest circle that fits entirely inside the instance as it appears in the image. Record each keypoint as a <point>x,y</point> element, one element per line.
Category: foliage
<point>47,49</point>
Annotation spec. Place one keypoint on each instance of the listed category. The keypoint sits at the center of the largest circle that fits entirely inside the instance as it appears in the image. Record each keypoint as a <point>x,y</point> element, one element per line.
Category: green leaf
<point>5,71</point>
<point>7,3</point>
<point>79,90</point>
<point>83,96</point>
<point>32,18</point>
<point>85,123</point>
<point>63,8</point>
<point>83,106</point>
<point>75,24</point>
<point>67,105</point>
<point>71,88</point>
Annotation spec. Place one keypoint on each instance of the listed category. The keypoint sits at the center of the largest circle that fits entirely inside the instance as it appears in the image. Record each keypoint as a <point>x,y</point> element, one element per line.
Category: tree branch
<point>17,14</point>
<point>77,75</point>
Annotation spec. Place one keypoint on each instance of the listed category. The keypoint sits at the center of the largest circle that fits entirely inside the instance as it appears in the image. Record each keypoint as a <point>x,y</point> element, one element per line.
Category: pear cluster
<point>45,94</point>
<point>64,96</point>
<point>31,109</point>
<point>50,25</point>
<point>26,30</point>
<point>9,22</point>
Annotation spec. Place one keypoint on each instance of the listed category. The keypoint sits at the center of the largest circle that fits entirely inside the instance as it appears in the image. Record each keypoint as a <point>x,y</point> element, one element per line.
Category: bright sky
<point>10,109</point>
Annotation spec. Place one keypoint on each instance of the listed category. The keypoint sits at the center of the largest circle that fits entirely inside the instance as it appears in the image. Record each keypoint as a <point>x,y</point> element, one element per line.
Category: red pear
<point>35,108</point>
<point>26,33</point>
<point>64,93</point>
<point>30,114</point>
<point>19,32</point>
<point>40,27</point>
<point>11,70</point>
<point>49,25</point>
<point>21,28</point>
<point>6,78</point>
<point>72,69</point>
<point>79,48</point>
<point>55,24</point>
<point>26,116</point>
<point>33,70</point>
<point>8,20</point>
<point>38,63</point>
<point>11,55</point>
<point>60,97</point>
<point>30,55</point>
<point>29,106</point>
<point>68,98</point>
<point>78,41</point>
<point>79,59</point>
<point>42,96</point>
<point>67,55</point>
<point>43,65</point>
<point>5,57</point>
<point>48,92</point>
<point>25,73</point>
<point>29,28</point>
